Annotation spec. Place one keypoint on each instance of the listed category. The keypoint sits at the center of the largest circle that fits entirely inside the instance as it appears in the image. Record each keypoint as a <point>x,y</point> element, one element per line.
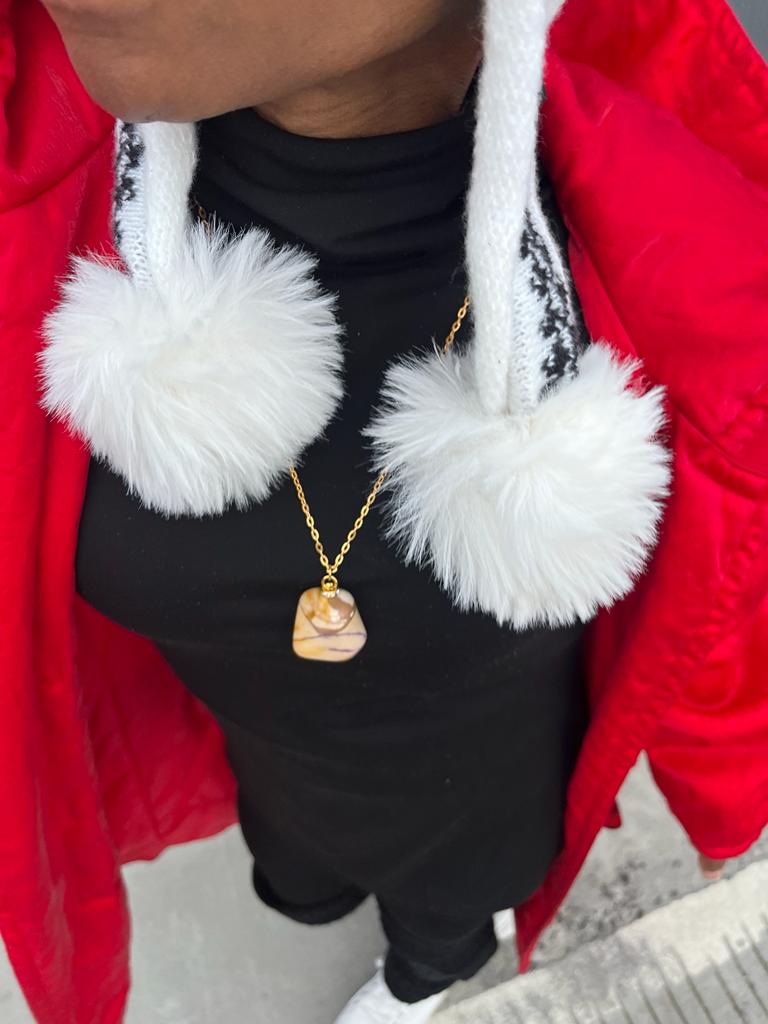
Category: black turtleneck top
<point>384,216</point>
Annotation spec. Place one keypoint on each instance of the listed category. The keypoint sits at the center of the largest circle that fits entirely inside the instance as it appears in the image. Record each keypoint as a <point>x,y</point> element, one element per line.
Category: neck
<point>415,87</point>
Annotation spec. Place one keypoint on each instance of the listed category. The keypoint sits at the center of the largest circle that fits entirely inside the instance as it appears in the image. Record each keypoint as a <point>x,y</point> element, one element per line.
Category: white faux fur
<point>202,393</point>
<point>534,519</point>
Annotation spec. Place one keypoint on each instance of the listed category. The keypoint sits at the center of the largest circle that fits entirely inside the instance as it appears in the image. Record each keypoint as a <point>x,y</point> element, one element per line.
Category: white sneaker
<point>504,925</point>
<point>375,1004</point>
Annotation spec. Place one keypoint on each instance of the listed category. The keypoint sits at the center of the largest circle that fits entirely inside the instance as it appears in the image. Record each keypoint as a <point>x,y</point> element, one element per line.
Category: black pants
<point>446,811</point>
<point>429,948</point>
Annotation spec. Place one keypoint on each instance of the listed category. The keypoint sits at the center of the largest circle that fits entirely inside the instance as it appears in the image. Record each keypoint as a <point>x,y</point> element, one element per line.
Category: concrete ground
<point>701,960</point>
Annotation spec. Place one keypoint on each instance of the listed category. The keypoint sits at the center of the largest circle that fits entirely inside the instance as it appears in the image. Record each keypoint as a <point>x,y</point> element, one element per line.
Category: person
<point>294,226</point>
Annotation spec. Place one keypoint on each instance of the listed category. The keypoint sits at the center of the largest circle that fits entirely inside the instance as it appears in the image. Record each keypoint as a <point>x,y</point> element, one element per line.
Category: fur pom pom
<point>541,519</point>
<point>199,396</point>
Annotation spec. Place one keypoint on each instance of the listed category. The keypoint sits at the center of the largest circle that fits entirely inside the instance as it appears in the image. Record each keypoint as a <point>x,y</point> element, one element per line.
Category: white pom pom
<point>542,519</point>
<point>202,395</point>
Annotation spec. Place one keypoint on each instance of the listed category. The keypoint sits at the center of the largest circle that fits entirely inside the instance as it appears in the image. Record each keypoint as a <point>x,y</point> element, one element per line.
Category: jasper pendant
<point>328,626</point>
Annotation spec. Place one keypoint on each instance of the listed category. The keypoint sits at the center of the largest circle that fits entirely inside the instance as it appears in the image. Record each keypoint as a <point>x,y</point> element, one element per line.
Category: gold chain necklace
<point>328,625</point>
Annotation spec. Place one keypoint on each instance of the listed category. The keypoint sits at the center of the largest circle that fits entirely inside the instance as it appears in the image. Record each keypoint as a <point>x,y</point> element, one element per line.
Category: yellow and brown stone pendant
<point>328,626</point>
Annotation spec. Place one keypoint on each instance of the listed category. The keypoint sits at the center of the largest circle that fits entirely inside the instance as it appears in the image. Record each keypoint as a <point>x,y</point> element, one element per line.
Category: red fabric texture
<point>656,135</point>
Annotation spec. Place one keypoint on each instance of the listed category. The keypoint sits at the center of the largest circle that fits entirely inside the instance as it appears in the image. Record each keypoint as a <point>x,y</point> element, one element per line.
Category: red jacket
<point>655,131</point>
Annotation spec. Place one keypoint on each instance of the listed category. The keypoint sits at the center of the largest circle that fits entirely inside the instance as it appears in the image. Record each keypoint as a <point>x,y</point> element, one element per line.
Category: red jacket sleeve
<point>692,203</point>
<point>710,755</point>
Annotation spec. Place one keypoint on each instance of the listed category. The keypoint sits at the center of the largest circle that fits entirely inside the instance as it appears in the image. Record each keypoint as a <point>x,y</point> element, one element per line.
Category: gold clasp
<point>329,585</point>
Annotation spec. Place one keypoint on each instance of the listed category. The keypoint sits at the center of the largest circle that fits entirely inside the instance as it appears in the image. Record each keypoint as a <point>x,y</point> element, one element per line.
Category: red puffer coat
<point>655,131</point>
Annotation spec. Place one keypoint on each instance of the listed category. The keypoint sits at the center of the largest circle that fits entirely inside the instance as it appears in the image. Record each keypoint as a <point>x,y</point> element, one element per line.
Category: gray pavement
<point>701,960</point>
